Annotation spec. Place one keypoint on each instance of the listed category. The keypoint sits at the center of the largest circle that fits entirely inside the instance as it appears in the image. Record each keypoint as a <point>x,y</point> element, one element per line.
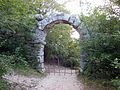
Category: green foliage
<point>14,13</point>
<point>62,46</point>
<point>103,47</point>
<point>116,83</point>
<point>4,63</point>
<point>9,62</point>
<point>28,71</point>
<point>94,84</point>
<point>116,2</point>
<point>72,62</point>
<point>4,85</point>
<point>16,26</point>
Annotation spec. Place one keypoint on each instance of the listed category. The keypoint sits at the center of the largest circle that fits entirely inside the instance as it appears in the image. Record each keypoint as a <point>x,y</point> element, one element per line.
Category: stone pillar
<point>40,40</point>
<point>41,58</point>
<point>83,36</point>
<point>82,56</point>
<point>82,59</point>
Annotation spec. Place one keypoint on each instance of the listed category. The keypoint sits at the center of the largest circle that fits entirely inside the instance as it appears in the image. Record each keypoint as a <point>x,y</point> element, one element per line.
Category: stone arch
<point>45,24</point>
<point>58,18</point>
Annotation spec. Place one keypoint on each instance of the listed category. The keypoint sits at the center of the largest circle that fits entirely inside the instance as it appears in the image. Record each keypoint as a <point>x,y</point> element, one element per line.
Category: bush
<point>4,85</point>
<point>5,63</point>
<point>9,62</point>
<point>116,83</point>
<point>71,62</point>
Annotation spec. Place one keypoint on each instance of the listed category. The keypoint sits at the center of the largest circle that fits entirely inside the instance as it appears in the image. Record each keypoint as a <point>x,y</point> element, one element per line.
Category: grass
<point>90,84</point>
<point>28,71</point>
<point>4,85</point>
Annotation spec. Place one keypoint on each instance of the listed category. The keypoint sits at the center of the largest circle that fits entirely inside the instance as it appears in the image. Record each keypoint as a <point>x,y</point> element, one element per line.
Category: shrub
<point>116,83</point>
<point>4,85</point>
<point>71,62</point>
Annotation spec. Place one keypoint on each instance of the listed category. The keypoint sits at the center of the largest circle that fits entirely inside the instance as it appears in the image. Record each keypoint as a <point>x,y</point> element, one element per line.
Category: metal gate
<point>55,66</point>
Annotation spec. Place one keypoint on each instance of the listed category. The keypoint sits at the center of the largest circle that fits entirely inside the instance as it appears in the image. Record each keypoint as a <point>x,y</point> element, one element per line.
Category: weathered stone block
<point>60,17</point>
<point>54,18</point>
<point>41,51</point>
<point>39,16</point>
<point>66,17</point>
<point>41,58</point>
<point>72,19</point>
<point>40,25</point>
<point>76,23</point>
<point>42,65</point>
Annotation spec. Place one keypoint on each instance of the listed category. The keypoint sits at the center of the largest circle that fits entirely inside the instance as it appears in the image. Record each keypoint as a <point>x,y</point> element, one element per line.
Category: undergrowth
<point>93,84</point>
<point>4,85</point>
<point>28,71</point>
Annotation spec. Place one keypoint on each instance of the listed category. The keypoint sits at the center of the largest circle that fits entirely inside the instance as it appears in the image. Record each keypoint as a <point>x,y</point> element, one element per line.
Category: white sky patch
<point>78,6</point>
<point>73,7</point>
<point>74,34</point>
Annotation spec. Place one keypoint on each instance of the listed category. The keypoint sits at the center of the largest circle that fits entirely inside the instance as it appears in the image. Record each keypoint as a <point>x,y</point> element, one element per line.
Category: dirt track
<point>50,82</point>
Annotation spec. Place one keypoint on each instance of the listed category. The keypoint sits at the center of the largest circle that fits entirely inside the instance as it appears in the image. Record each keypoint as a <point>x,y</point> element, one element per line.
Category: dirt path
<point>50,82</point>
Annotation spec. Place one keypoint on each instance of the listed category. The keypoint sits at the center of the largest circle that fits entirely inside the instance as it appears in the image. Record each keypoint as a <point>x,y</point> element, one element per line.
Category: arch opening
<point>55,55</point>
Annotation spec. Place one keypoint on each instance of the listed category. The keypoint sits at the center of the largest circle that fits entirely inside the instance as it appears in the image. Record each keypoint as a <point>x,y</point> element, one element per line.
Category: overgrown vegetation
<point>95,84</point>
<point>103,47</point>
<point>4,85</point>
